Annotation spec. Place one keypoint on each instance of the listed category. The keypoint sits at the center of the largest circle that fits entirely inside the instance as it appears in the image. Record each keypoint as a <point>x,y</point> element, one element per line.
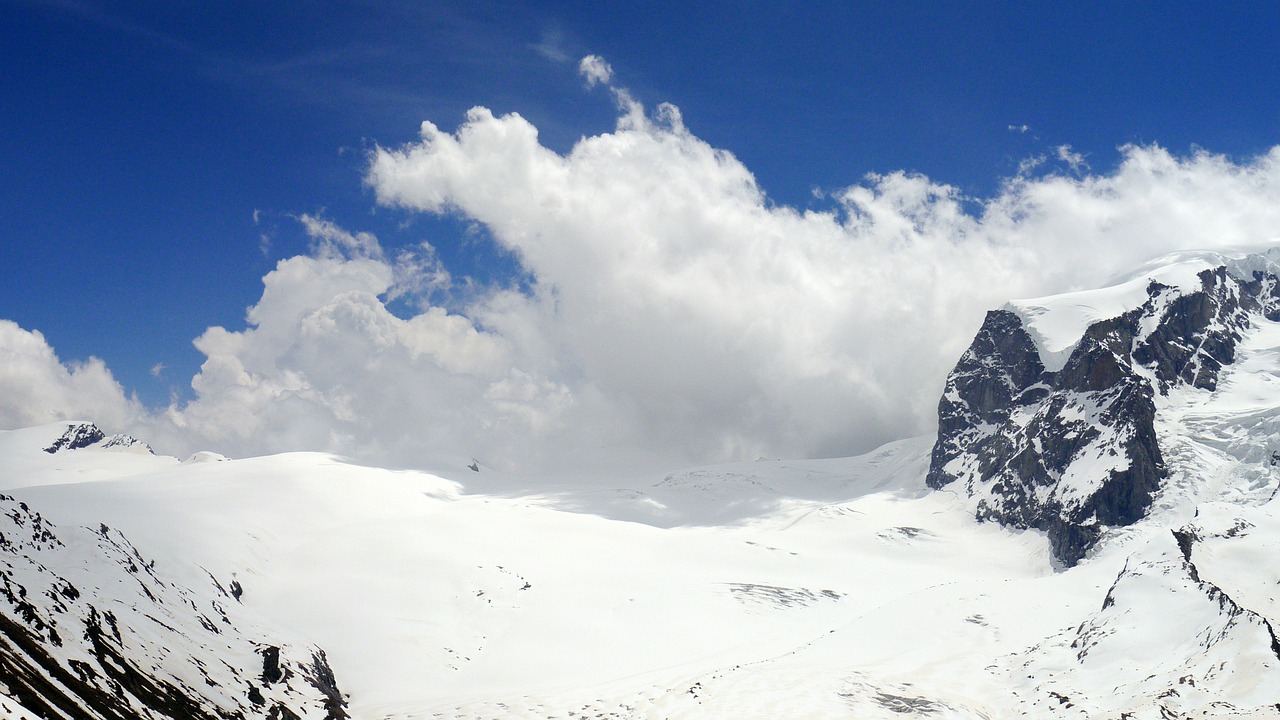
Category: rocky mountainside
<point>92,628</point>
<point>1073,449</point>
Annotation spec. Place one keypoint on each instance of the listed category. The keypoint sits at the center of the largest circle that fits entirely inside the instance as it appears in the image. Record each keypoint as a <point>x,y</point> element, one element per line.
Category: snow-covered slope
<point>1188,629</point>
<point>773,589</point>
<point>90,627</point>
<point>703,593</point>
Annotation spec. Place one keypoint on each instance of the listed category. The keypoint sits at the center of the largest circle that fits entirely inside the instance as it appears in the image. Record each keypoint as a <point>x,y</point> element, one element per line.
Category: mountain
<point>1051,418</point>
<point>1090,533</point>
<point>91,628</point>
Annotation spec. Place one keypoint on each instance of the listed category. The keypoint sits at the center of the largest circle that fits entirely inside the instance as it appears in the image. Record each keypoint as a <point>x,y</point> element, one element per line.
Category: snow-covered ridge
<point>91,628</point>
<point>1057,322</point>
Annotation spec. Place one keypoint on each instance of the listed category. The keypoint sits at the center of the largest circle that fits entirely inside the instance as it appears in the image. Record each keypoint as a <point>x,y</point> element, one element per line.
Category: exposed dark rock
<point>271,672</point>
<point>132,645</point>
<point>321,677</point>
<point>84,434</point>
<point>989,382</point>
<point>77,435</point>
<point>125,442</point>
<point>1075,451</point>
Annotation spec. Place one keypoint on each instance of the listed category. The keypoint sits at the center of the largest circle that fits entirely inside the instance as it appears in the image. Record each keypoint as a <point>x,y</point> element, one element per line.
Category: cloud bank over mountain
<point>670,309</point>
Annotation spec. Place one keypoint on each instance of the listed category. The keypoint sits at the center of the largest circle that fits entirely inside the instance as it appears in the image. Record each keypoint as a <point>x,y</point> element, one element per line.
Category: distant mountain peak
<point>80,435</point>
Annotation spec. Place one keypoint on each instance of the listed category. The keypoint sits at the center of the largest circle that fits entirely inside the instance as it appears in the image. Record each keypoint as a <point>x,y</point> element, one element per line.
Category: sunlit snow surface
<point>1056,323</point>
<point>813,589</point>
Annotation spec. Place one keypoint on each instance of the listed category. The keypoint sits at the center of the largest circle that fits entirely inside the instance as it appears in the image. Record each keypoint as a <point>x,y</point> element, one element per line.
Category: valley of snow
<point>841,588</point>
<point>808,587</point>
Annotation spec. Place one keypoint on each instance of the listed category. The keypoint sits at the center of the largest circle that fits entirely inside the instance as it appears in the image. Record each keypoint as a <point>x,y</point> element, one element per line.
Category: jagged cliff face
<point>1074,450</point>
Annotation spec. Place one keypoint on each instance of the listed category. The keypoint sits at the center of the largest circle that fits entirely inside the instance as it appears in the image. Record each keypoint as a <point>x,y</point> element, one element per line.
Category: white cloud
<point>722,325</point>
<point>36,387</point>
<point>325,365</point>
<point>1074,160</point>
<point>1027,165</point>
<point>674,310</point>
<point>595,70</point>
<point>330,241</point>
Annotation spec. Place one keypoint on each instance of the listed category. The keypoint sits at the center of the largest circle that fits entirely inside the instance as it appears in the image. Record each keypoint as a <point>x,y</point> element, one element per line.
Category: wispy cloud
<point>342,71</point>
<point>120,23</point>
<point>551,45</point>
<point>1073,160</point>
<point>1028,165</point>
<point>595,70</point>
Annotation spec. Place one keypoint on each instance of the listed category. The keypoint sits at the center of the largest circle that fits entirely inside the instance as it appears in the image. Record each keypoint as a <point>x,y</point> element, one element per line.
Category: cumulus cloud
<point>324,364</point>
<point>726,326</point>
<point>38,388</point>
<point>672,310</point>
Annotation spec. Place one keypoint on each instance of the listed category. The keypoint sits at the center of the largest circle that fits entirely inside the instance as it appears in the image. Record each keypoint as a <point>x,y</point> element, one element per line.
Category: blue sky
<point>157,155</point>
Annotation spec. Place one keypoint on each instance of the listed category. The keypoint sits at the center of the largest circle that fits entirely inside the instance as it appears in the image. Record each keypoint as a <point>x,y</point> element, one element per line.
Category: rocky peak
<point>80,435</point>
<point>1074,451</point>
<point>129,443</point>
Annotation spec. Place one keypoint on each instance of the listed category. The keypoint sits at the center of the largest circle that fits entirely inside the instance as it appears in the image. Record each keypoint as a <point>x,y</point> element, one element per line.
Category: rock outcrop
<point>80,435</point>
<point>1073,451</point>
